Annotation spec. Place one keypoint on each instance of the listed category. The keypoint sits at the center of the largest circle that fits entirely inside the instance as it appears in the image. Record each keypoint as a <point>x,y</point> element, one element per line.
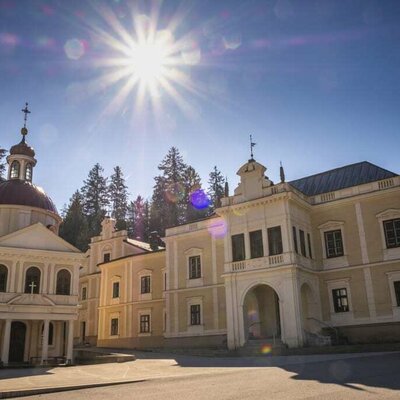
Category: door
<point>83,331</point>
<point>17,342</point>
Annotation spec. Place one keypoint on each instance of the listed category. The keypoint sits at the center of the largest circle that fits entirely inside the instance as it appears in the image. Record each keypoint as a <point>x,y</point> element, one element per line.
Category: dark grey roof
<point>340,178</point>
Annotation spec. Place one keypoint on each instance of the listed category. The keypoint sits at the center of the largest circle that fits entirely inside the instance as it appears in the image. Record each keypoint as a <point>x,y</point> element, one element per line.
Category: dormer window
<point>28,172</point>
<point>15,166</point>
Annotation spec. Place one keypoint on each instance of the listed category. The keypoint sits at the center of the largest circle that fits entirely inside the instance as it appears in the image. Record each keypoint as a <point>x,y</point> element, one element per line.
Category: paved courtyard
<point>156,376</point>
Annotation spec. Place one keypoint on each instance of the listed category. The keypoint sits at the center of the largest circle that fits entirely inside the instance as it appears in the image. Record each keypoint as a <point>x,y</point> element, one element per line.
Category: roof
<point>340,178</point>
<point>23,148</point>
<point>137,243</point>
<point>22,193</point>
<point>160,250</point>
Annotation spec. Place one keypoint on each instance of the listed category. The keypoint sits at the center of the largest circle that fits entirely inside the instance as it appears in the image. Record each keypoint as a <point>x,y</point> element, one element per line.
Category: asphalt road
<point>359,377</point>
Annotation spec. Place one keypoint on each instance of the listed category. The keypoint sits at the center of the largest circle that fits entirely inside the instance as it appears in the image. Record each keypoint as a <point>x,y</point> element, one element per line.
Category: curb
<point>31,392</point>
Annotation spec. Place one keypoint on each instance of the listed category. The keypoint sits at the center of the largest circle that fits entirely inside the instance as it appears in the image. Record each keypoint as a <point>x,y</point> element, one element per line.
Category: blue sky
<point>316,82</point>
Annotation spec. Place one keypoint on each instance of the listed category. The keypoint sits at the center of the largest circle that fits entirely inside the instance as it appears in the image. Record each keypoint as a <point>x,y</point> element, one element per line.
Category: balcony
<point>269,262</point>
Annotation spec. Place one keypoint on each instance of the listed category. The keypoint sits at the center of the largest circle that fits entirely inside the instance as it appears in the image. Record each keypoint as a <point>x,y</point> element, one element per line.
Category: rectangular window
<point>309,245</point>
<point>106,257</point>
<point>195,314</point>
<point>238,251</point>
<point>296,248</point>
<point>84,293</point>
<point>115,292</point>
<point>340,300</point>
<point>194,267</point>
<point>275,241</point>
<point>145,285</point>
<point>302,243</point>
<point>397,292</point>
<point>145,323</point>
<point>334,243</point>
<point>392,233</point>
<point>256,244</point>
<point>114,326</point>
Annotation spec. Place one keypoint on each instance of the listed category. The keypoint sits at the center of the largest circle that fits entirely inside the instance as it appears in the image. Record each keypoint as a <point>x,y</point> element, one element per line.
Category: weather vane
<point>252,144</point>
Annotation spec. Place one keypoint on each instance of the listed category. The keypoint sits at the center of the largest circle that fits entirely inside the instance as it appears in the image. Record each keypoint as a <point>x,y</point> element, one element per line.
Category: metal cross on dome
<point>26,112</point>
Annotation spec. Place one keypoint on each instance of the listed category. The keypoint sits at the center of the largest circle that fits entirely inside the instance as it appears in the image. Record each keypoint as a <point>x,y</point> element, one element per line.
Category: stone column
<point>70,342</point>
<point>45,341</point>
<point>6,342</point>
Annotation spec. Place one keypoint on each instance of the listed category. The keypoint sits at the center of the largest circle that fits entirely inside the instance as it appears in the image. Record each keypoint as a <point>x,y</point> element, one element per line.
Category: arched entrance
<point>17,342</point>
<point>261,314</point>
<point>309,310</point>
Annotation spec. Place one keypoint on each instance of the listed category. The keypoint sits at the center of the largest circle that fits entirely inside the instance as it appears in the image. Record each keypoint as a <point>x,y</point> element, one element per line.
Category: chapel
<point>39,271</point>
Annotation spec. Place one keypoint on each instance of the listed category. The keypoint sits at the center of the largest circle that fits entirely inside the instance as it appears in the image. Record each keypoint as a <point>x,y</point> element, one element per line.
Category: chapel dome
<point>23,193</point>
<point>22,147</point>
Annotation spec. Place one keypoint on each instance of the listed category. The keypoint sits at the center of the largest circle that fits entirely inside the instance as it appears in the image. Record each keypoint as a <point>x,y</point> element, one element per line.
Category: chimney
<point>154,240</point>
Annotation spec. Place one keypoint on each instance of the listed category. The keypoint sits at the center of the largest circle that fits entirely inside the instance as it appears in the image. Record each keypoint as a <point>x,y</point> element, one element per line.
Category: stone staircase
<point>261,347</point>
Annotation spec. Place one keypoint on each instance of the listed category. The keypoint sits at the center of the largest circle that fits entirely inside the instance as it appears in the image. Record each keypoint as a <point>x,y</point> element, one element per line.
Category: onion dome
<point>22,147</point>
<point>23,193</point>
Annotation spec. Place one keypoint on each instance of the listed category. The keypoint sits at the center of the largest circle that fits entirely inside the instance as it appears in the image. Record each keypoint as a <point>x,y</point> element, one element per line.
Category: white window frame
<point>193,252</point>
<point>340,318</point>
<point>81,291</point>
<point>142,273</point>
<point>114,316</point>
<point>392,277</point>
<point>106,249</point>
<point>191,301</point>
<point>146,311</point>
<point>115,279</point>
<point>391,213</point>
<point>333,262</point>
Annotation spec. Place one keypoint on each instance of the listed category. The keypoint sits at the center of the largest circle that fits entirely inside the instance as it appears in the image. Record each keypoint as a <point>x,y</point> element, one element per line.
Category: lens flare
<point>266,349</point>
<point>74,49</point>
<point>174,192</point>
<point>199,199</point>
<point>217,228</point>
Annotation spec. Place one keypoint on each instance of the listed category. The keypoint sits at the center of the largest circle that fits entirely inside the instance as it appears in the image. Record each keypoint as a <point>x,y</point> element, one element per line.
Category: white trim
<point>361,233</point>
<point>195,282</point>
<point>192,301</point>
<point>341,316</point>
<point>393,277</point>
<point>141,274</point>
<point>333,262</point>
<point>145,311</point>
<point>386,215</point>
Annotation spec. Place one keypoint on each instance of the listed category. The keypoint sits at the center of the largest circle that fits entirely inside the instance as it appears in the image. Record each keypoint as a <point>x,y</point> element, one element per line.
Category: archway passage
<point>17,342</point>
<point>261,313</point>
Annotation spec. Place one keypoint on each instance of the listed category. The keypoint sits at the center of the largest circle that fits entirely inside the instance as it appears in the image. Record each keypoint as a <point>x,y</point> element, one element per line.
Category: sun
<point>144,64</point>
<point>148,62</point>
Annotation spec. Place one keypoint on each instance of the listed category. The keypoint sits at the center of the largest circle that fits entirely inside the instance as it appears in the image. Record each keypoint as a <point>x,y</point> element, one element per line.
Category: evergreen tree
<point>118,195</point>
<point>146,221</point>
<point>195,200</point>
<point>216,188</point>
<point>74,227</point>
<point>95,199</point>
<point>168,203</point>
<point>136,219</point>
<point>2,163</point>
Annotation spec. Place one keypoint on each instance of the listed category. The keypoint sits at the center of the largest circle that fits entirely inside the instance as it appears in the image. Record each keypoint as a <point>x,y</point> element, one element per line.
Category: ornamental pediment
<point>31,299</point>
<point>390,213</point>
<point>331,225</point>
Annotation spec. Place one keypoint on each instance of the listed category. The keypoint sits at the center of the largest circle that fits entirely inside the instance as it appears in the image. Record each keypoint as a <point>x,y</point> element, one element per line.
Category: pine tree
<point>146,221</point>
<point>2,163</point>
<point>136,219</point>
<point>118,195</point>
<point>74,227</point>
<point>216,188</point>
<point>95,199</point>
<point>168,204</point>
<point>195,200</point>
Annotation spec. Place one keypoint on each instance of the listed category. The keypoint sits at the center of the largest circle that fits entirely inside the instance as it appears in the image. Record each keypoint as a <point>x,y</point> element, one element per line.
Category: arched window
<point>15,170</point>
<point>28,172</point>
<point>3,278</point>
<point>32,280</point>
<point>63,282</point>
<point>51,334</point>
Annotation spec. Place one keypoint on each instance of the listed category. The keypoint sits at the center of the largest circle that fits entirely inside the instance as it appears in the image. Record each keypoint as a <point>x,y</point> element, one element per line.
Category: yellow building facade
<point>315,261</point>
